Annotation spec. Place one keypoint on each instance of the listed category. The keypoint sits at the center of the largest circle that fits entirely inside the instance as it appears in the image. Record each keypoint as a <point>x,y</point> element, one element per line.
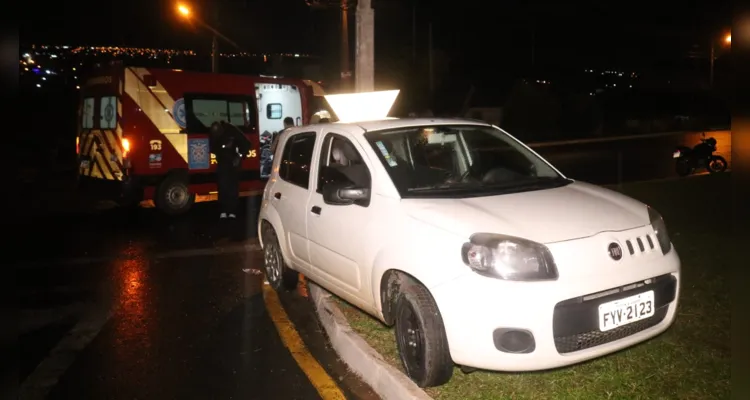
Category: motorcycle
<point>688,160</point>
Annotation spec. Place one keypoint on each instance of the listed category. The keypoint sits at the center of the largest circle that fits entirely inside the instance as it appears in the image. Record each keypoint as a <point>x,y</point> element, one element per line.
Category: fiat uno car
<point>480,252</point>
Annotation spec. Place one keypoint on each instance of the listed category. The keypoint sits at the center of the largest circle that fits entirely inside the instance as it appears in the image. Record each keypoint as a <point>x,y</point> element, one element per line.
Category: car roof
<point>361,127</point>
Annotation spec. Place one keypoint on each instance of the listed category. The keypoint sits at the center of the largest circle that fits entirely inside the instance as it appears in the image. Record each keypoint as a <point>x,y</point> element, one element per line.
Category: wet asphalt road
<point>132,305</point>
<point>123,304</point>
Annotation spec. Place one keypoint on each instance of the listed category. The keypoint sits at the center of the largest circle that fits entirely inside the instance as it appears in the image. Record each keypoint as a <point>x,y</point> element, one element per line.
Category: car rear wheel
<point>420,337</point>
<point>278,274</point>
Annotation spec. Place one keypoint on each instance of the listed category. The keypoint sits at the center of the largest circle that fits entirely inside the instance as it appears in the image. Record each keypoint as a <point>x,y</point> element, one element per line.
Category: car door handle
<point>277,195</point>
<point>315,210</point>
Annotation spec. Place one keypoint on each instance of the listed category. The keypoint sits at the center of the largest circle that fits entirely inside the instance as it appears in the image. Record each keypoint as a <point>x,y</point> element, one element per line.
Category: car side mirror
<point>342,194</point>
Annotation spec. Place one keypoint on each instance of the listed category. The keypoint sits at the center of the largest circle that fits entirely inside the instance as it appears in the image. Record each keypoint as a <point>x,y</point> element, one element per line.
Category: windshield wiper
<point>534,183</point>
<point>441,186</point>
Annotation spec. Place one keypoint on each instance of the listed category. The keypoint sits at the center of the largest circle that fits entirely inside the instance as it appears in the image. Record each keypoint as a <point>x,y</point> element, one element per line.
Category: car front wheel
<point>420,337</point>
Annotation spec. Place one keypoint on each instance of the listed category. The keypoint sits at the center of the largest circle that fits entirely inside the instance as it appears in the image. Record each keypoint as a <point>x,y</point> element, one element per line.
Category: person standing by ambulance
<point>288,123</point>
<point>230,146</point>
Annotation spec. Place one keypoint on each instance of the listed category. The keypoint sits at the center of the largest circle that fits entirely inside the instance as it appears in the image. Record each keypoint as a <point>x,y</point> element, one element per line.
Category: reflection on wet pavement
<point>157,308</point>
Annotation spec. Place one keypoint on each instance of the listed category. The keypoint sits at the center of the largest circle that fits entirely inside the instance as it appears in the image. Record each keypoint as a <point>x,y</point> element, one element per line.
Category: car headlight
<point>509,258</point>
<point>660,230</point>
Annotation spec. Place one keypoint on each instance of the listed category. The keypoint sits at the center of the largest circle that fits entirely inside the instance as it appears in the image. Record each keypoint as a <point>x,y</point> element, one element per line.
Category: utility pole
<point>533,45</point>
<point>430,67</point>
<point>365,55</point>
<point>346,72</point>
<point>414,32</point>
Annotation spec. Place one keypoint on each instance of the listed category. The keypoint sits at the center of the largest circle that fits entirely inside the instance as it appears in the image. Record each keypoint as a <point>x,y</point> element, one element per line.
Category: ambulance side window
<point>274,111</point>
<point>202,110</point>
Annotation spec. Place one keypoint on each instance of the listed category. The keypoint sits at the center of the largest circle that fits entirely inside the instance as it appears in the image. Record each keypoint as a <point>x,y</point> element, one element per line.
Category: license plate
<point>676,154</point>
<point>626,311</point>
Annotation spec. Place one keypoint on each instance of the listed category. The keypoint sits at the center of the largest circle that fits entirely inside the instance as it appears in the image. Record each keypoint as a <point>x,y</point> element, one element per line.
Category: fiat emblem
<point>615,251</point>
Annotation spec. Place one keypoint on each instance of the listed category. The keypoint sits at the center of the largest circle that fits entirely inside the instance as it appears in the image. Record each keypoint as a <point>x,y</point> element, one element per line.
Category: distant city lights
<point>52,64</point>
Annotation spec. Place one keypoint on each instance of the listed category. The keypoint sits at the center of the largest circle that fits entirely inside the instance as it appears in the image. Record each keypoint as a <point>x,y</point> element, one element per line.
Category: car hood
<point>575,211</point>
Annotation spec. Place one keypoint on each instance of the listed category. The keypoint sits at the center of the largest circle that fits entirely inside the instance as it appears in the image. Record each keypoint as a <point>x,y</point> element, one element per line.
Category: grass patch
<point>691,360</point>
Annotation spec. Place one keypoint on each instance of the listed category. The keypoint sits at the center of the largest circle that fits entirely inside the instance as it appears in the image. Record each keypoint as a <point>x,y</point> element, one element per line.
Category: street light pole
<point>430,66</point>
<point>364,69</point>
<point>187,13</point>
<point>346,73</point>
<point>712,56</point>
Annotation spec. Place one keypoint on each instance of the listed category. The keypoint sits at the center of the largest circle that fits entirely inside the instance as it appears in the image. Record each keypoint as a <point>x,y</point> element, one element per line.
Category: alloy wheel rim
<point>273,264</point>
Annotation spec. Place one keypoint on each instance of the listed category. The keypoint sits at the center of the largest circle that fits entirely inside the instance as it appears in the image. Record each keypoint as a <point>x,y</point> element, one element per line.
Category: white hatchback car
<point>480,252</point>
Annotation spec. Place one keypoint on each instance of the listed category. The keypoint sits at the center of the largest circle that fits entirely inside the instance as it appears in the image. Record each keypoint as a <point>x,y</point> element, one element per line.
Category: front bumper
<point>575,323</point>
<point>561,316</point>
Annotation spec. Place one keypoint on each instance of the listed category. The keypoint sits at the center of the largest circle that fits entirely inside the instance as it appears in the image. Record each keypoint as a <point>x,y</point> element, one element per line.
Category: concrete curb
<point>386,380</point>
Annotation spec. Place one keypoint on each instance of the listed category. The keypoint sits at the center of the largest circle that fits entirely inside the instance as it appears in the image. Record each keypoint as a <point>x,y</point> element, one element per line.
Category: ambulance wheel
<point>173,196</point>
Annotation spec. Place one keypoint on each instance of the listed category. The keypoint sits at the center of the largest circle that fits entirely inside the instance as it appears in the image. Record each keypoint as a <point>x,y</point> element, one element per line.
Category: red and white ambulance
<point>143,132</point>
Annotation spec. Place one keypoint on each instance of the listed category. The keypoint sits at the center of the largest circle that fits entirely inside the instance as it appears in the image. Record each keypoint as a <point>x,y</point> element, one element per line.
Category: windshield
<point>459,161</point>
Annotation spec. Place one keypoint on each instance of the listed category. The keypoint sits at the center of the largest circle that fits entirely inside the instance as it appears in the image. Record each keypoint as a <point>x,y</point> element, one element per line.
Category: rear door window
<point>108,112</point>
<point>87,114</point>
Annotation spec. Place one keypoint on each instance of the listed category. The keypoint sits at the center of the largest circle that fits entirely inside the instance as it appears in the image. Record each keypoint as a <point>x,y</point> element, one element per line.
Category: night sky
<point>577,32</point>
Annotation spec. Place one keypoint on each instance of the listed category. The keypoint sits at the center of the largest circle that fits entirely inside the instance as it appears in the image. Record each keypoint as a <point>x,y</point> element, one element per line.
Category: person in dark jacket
<point>230,146</point>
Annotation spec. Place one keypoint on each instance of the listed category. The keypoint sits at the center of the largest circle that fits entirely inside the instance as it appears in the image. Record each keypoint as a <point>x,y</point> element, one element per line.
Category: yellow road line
<point>324,384</point>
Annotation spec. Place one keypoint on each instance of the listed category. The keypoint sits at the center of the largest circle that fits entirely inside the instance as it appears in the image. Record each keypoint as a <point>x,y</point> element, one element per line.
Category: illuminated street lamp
<point>728,42</point>
<point>184,11</point>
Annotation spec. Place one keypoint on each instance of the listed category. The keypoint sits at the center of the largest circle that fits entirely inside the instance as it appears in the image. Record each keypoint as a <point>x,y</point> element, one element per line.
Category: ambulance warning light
<point>367,106</point>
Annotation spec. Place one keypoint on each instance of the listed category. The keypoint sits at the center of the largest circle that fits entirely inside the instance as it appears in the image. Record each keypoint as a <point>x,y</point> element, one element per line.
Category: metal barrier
<point>605,161</point>
<point>618,138</point>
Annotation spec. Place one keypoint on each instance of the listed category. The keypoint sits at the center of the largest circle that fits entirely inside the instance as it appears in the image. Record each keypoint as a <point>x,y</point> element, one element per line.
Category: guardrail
<point>620,159</point>
<point>617,138</point>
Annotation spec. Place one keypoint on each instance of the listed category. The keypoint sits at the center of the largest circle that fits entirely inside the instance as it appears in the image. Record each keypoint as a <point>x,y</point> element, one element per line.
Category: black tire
<point>722,164</point>
<point>682,167</point>
<point>173,196</point>
<point>420,337</point>
<point>278,274</point>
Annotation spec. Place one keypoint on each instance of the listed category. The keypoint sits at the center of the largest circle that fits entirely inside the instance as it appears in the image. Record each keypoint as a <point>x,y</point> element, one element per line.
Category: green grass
<point>691,360</point>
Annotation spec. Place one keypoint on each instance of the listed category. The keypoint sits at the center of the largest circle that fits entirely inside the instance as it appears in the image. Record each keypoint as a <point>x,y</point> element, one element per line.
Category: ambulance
<point>143,132</point>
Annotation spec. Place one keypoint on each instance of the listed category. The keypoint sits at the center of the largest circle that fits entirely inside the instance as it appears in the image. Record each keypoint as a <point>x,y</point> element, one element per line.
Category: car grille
<point>640,244</point>
<point>586,340</point>
<point>576,321</point>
